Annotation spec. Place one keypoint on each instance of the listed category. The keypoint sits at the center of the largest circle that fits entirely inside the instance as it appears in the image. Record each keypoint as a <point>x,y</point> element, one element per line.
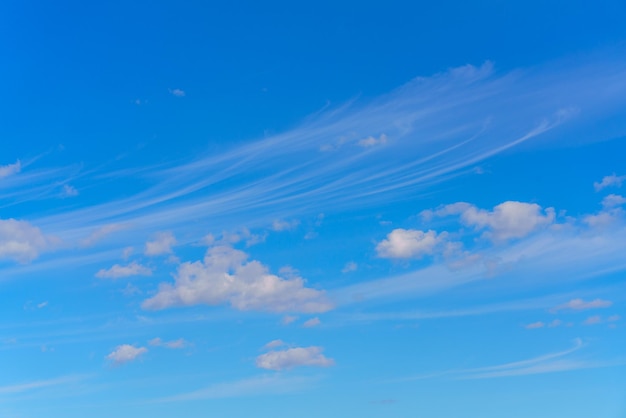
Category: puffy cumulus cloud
<point>371,141</point>
<point>613,200</point>
<point>410,243</point>
<point>582,305</point>
<point>162,244</point>
<point>608,181</point>
<point>225,276</point>
<point>313,322</point>
<point>10,169</point>
<point>294,357</point>
<point>20,241</point>
<point>283,225</point>
<point>125,353</point>
<point>506,221</point>
<point>174,344</point>
<point>119,271</point>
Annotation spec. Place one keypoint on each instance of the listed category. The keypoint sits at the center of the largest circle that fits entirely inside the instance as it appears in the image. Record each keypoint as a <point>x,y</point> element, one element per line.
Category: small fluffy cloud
<point>371,141</point>
<point>613,200</point>
<point>313,322</point>
<point>119,271</point>
<point>535,325</point>
<point>69,191</point>
<point>177,92</point>
<point>162,244</point>
<point>175,344</point>
<point>608,181</point>
<point>274,344</point>
<point>225,276</point>
<point>508,220</point>
<point>282,225</point>
<point>10,169</point>
<point>593,320</point>
<point>288,319</point>
<point>581,305</point>
<point>125,353</point>
<point>20,241</point>
<point>294,357</point>
<point>349,267</point>
<point>409,243</point>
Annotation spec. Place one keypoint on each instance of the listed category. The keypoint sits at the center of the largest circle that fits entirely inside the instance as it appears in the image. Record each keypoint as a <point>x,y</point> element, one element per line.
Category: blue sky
<point>279,209</point>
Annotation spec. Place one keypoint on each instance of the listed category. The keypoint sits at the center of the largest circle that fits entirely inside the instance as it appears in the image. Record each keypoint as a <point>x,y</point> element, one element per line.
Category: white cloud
<point>162,244</point>
<point>274,344</point>
<point>69,191</point>
<point>508,220</point>
<point>593,320</point>
<point>313,322</point>
<point>371,141</point>
<point>349,267</point>
<point>42,305</point>
<point>613,200</point>
<point>174,344</point>
<point>605,218</point>
<point>581,305</point>
<point>283,225</point>
<point>177,92</point>
<point>125,353</point>
<point>224,276</point>
<point>10,169</point>
<point>294,357</point>
<point>119,271</point>
<point>20,241</point>
<point>535,325</point>
<point>608,181</point>
<point>409,243</point>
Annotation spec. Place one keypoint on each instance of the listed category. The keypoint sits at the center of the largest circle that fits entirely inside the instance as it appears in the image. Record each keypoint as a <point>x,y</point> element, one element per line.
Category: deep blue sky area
<point>279,209</point>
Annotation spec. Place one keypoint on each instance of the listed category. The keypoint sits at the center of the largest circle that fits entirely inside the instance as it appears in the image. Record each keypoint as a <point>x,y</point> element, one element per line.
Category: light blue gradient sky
<point>353,209</point>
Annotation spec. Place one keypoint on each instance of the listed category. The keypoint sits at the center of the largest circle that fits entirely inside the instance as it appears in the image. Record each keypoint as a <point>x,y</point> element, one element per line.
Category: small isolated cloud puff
<point>288,319</point>
<point>409,243</point>
<point>581,305</point>
<point>69,191</point>
<point>274,344</point>
<point>224,276</point>
<point>608,181</point>
<point>613,200</point>
<point>125,353</point>
<point>162,244</point>
<point>282,225</point>
<point>349,267</point>
<point>313,322</point>
<point>508,220</point>
<point>371,141</point>
<point>593,320</point>
<point>535,325</point>
<point>177,92</point>
<point>294,357</point>
<point>119,271</point>
<point>10,169</point>
<point>175,344</point>
<point>20,241</point>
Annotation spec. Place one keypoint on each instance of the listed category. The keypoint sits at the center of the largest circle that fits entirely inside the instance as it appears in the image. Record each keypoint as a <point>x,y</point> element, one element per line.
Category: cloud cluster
<point>294,357</point>
<point>508,220</point>
<point>225,276</point>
